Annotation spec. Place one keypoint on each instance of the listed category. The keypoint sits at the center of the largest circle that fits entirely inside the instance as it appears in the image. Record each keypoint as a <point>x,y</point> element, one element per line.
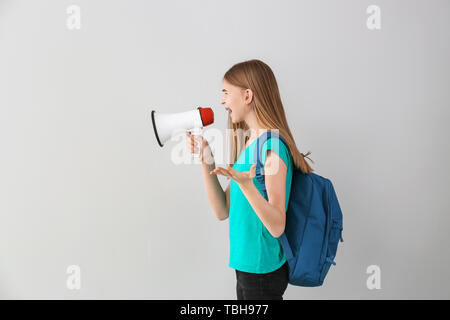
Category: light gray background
<point>83,181</point>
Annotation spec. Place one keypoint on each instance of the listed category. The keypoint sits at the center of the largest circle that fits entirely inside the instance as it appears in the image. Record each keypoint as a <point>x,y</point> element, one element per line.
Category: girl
<point>253,102</point>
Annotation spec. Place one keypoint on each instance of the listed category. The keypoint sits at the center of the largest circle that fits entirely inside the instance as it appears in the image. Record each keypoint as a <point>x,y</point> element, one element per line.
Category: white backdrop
<point>83,181</point>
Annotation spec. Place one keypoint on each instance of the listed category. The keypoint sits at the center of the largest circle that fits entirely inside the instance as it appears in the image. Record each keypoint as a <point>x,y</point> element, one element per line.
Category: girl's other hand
<point>244,179</point>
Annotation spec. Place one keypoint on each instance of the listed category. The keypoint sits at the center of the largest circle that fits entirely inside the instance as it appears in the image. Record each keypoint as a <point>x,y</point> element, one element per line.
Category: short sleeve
<point>279,147</point>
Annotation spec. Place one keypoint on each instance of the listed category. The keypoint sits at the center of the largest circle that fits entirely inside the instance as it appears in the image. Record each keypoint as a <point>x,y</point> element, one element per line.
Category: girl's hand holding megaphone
<point>192,142</point>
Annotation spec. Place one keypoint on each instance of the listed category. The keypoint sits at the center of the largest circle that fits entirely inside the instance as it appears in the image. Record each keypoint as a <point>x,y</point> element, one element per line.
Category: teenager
<point>252,99</point>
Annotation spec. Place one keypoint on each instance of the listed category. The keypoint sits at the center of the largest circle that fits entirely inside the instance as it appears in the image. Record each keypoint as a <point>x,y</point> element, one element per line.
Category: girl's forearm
<point>214,191</point>
<point>270,216</point>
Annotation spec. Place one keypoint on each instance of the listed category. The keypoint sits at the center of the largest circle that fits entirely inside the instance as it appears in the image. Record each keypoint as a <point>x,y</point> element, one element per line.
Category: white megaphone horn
<point>166,124</point>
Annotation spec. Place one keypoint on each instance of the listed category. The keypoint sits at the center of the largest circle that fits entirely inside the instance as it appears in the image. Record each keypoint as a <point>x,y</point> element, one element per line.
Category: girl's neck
<point>254,134</point>
<point>253,126</point>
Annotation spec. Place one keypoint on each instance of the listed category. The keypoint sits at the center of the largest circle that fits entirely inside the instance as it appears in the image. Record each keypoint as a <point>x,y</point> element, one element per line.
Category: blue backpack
<point>313,222</point>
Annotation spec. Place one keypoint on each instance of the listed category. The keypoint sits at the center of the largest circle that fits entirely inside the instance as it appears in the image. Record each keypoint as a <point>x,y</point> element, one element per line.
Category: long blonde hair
<point>258,77</point>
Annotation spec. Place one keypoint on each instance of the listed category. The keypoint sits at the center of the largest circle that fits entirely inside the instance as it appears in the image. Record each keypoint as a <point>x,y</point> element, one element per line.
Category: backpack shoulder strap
<point>257,156</point>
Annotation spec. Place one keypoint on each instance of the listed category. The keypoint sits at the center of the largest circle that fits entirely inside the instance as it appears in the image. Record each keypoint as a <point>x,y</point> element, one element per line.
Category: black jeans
<point>262,286</point>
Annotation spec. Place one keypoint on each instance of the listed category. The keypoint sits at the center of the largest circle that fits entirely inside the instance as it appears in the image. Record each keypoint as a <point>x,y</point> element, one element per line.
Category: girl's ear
<point>248,96</point>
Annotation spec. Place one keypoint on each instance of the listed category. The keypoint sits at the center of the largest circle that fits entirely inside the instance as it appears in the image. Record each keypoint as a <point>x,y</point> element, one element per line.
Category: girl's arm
<point>272,213</point>
<point>218,199</point>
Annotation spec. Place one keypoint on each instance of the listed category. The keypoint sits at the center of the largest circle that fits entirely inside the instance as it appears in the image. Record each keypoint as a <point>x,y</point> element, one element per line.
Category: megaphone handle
<point>197,131</point>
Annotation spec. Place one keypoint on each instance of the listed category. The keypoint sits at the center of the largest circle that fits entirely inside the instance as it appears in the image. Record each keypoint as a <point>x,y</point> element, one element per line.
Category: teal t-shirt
<point>252,247</point>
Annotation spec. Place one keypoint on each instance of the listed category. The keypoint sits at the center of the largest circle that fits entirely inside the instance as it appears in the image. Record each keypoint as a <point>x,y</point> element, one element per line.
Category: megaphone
<point>166,124</point>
